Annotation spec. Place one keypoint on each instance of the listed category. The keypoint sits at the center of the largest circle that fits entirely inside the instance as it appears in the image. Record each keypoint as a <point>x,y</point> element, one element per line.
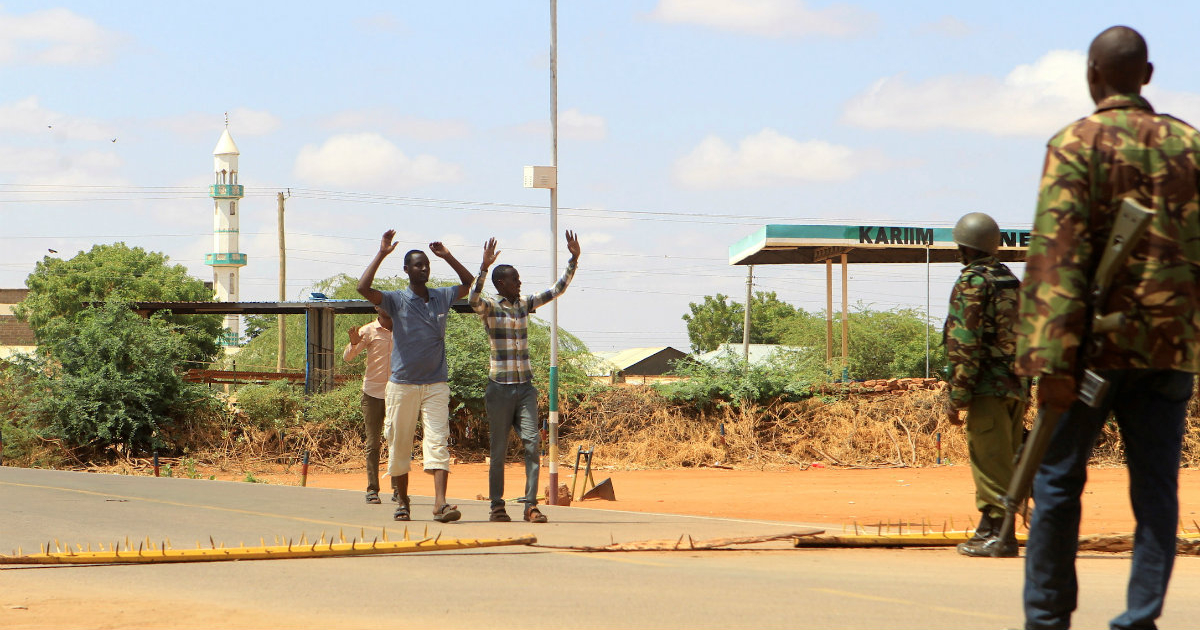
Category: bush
<point>337,410</point>
<point>785,375</point>
<point>272,406</point>
<point>113,378</point>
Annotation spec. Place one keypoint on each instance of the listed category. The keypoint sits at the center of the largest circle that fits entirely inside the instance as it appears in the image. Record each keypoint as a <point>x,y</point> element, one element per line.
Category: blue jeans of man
<point>1149,407</point>
<point>512,406</point>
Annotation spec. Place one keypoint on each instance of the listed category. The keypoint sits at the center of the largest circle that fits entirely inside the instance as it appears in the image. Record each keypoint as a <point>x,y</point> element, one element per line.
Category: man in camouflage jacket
<point>1122,150</point>
<point>980,340</point>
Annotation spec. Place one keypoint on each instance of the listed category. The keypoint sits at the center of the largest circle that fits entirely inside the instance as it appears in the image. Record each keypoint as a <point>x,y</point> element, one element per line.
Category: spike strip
<point>908,539</point>
<point>214,554</point>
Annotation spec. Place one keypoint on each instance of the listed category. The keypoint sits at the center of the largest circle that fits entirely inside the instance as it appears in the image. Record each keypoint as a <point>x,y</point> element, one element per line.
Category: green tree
<point>714,321</point>
<point>769,317</point>
<point>59,291</point>
<point>109,376</point>
<point>883,343</point>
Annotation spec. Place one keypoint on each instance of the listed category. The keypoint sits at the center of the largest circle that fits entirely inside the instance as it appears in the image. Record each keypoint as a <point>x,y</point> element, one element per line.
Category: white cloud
<point>768,18</point>
<point>576,125</point>
<point>242,122</point>
<point>54,37</point>
<point>368,159</point>
<point>572,125</point>
<point>49,166</point>
<point>28,116</point>
<point>1033,99</point>
<point>386,121</point>
<point>767,158</point>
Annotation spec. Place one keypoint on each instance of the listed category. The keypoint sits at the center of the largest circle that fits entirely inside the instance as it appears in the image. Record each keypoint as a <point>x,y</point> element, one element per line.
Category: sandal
<point>446,513</point>
<point>533,515</point>
<point>401,513</point>
<point>499,515</point>
<point>373,497</point>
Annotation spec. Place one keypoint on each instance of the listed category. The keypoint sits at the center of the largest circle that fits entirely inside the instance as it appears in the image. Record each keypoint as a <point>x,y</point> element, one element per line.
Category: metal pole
<point>845,319</point>
<point>829,313</point>
<point>927,321</point>
<point>746,323</point>
<point>281,359</point>
<point>552,495</point>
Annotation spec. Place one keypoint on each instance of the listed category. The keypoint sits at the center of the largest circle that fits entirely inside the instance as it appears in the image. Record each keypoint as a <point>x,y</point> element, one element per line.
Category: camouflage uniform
<point>980,342</point>
<point>1124,149</point>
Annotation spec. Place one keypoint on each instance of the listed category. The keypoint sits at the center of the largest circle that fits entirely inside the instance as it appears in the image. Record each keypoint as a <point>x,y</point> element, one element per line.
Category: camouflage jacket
<point>1122,150</point>
<point>980,333</point>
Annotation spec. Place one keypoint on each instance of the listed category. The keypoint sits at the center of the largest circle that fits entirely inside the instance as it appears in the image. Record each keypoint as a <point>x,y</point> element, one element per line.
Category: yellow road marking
<point>908,602</point>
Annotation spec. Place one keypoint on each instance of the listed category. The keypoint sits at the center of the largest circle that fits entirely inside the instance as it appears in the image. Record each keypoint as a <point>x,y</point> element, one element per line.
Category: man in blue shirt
<point>417,386</point>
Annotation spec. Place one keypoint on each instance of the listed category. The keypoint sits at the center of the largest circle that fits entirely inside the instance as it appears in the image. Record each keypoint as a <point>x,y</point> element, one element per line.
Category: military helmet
<point>978,231</point>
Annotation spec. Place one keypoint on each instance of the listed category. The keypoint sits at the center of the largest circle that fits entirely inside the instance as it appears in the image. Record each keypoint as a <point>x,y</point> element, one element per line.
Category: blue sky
<point>684,126</point>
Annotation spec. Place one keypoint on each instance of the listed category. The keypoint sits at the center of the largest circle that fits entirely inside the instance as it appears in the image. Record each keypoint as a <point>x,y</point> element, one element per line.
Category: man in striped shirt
<point>511,398</point>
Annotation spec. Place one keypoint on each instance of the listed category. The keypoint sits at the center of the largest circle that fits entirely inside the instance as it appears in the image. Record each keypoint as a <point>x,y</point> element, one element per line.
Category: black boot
<point>990,545</point>
<point>984,530</point>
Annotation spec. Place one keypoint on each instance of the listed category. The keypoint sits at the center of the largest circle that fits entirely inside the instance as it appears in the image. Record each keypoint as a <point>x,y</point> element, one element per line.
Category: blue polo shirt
<point>418,334</point>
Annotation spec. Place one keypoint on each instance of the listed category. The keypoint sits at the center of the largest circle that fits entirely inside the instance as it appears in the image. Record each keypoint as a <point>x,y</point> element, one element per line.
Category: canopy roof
<point>807,244</point>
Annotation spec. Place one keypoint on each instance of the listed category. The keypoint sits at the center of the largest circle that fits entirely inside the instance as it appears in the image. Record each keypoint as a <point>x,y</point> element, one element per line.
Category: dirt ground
<point>936,495</point>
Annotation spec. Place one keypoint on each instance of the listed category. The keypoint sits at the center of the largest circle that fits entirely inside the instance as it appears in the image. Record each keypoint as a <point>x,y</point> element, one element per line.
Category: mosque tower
<point>226,261</point>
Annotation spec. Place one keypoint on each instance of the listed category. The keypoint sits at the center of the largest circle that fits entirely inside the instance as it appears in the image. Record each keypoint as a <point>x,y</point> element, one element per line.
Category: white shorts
<point>405,403</point>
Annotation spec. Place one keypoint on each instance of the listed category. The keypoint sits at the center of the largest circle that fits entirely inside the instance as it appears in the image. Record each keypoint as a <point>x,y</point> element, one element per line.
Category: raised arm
<point>386,246</point>
<point>475,298</point>
<point>464,275</point>
<point>561,285</point>
<point>355,347</point>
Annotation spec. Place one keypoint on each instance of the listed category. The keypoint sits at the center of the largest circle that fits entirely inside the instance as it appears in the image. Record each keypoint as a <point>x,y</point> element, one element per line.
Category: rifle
<point>1132,220</point>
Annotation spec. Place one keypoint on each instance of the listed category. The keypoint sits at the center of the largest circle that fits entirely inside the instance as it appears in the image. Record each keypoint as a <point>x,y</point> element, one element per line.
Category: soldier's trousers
<point>994,427</point>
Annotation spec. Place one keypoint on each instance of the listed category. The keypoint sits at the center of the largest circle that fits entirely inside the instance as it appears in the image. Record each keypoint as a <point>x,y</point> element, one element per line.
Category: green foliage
<point>25,438</point>
<point>785,375</point>
<point>271,406</point>
<point>713,322</point>
<point>720,320</point>
<point>110,377</point>
<point>883,344</point>
<point>337,410</point>
<point>250,478</point>
<point>59,290</point>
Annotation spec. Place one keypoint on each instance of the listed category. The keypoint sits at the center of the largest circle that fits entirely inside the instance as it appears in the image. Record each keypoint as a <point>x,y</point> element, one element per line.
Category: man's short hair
<point>409,254</point>
<point>501,271</point>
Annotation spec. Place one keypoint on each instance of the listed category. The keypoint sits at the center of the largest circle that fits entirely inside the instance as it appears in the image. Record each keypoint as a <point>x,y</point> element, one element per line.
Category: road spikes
<point>147,553</point>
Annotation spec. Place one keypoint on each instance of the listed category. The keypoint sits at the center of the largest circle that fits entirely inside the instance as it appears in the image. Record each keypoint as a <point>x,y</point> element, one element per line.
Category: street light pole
<point>552,495</point>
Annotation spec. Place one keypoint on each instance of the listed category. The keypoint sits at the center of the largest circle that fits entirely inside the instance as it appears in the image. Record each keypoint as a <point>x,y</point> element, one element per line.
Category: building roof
<point>759,352</point>
<point>610,361</point>
<point>808,244</point>
<point>225,145</point>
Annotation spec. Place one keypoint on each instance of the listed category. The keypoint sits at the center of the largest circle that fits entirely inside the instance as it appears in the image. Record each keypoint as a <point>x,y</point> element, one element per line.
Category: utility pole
<point>281,360</point>
<point>746,323</point>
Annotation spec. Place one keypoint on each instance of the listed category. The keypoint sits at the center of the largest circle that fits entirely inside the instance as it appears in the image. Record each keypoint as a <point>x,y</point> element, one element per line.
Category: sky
<point>684,126</point>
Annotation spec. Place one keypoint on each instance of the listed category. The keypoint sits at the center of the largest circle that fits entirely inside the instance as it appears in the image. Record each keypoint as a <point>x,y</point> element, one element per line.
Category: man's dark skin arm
<point>386,246</point>
<point>464,275</point>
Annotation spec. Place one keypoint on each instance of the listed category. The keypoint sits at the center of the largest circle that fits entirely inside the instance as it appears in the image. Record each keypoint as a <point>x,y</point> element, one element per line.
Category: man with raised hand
<point>511,398</point>
<point>417,386</point>
<point>376,338</point>
<point>1124,150</point>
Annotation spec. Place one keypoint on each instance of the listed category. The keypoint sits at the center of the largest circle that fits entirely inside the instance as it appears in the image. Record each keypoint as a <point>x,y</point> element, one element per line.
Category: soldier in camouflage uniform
<point>980,339</point>
<point>1122,150</point>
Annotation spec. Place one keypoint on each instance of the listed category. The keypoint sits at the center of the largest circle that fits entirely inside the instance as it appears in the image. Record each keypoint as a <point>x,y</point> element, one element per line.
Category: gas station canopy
<point>808,244</point>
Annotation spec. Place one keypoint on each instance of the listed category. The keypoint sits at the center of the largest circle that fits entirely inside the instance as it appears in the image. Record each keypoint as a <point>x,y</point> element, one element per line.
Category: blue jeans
<point>512,407</point>
<point>1149,406</point>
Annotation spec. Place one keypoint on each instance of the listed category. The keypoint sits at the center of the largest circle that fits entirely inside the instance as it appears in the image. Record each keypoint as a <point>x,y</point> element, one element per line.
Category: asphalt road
<point>770,585</point>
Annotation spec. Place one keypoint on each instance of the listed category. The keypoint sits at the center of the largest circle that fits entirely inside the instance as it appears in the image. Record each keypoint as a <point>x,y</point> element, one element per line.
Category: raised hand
<point>387,245</point>
<point>573,245</point>
<point>355,337</point>
<point>438,249</point>
<point>489,254</point>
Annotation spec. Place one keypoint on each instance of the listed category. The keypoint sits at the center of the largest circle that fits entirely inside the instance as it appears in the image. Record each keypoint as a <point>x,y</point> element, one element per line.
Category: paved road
<point>769,585</point>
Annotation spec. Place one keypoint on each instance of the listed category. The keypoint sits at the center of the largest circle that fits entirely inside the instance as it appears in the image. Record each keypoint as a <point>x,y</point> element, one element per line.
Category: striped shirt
<point>507,325</point>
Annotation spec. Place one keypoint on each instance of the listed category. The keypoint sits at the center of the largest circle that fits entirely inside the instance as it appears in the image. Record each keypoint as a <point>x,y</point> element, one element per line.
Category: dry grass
<point>636,428</point>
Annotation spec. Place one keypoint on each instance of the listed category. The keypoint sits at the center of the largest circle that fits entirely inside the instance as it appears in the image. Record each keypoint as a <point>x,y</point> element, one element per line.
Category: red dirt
<point>936,495</point>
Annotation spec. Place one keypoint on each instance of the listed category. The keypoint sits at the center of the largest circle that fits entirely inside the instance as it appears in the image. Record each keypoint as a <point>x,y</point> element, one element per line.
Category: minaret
<point>225,259</point>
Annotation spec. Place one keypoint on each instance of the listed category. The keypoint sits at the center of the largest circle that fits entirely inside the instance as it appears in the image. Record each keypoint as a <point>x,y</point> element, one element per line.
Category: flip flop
<point>446,513</point>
